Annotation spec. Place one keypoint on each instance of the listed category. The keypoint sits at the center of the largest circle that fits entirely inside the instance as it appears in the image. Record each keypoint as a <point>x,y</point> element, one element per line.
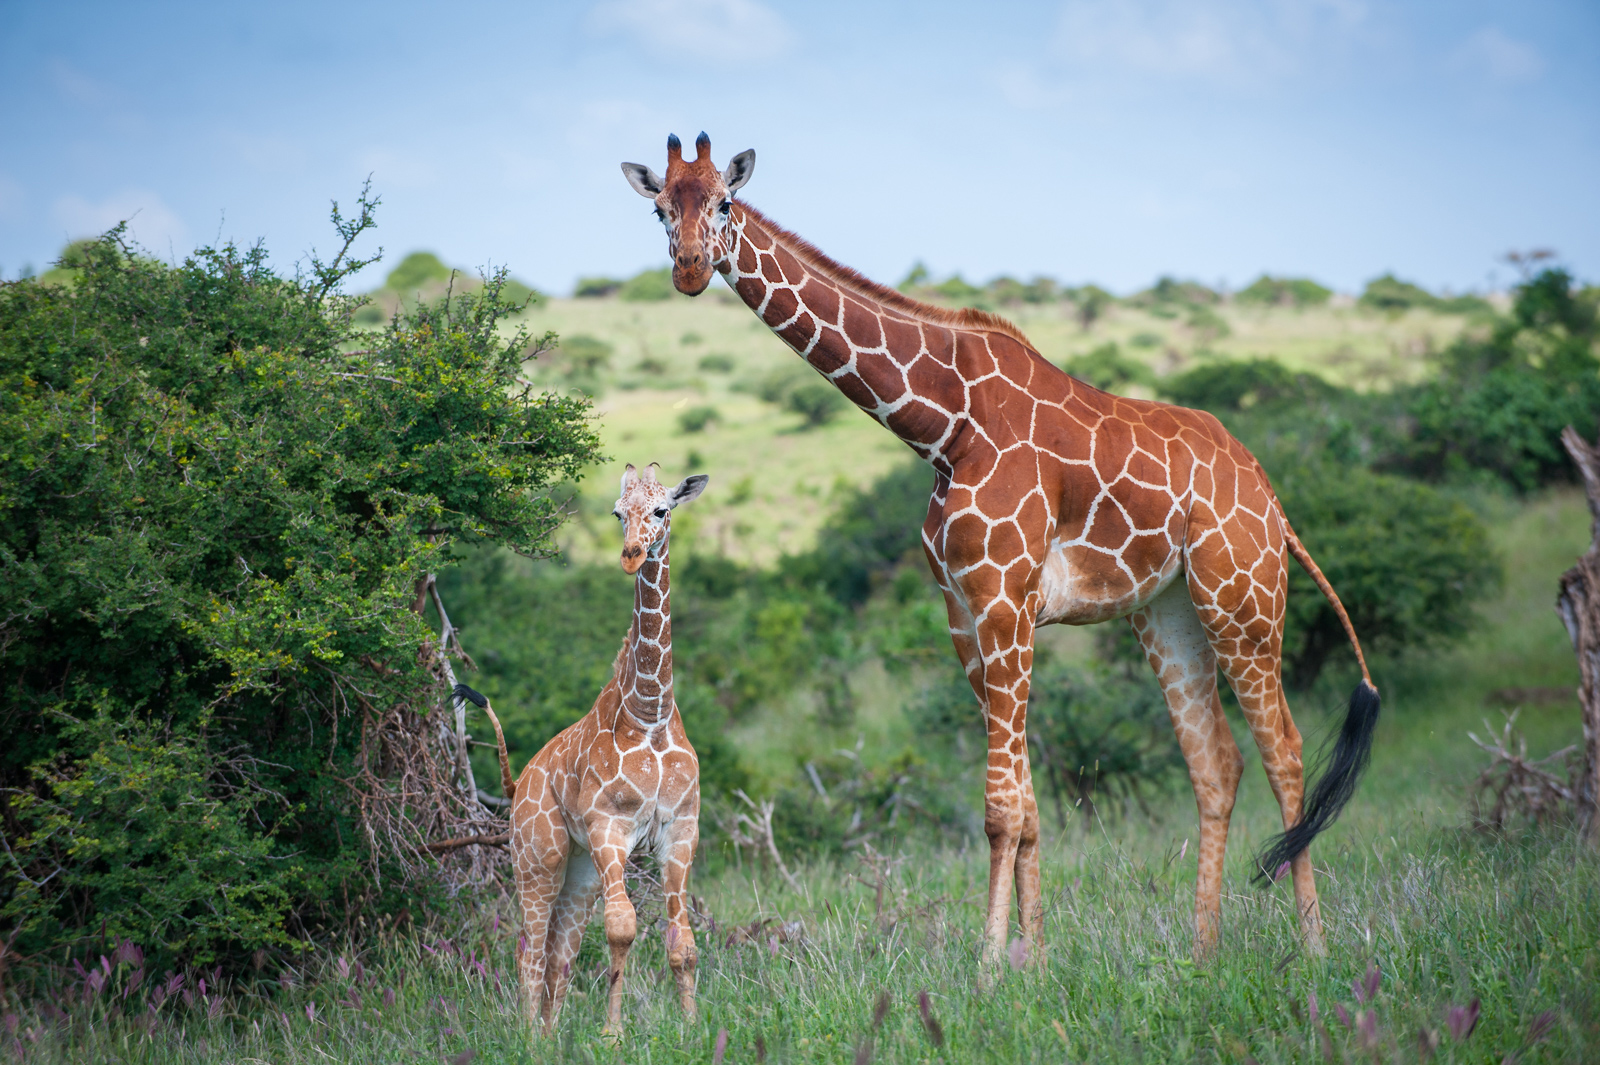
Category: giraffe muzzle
<point>691,273</point>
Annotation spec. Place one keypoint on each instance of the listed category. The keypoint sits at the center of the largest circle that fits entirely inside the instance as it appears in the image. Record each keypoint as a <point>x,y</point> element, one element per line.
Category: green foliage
<point>212,521</point>
<point>1501,399</point>
<point>415,271</point>
<point>1229,387</point>
<point>1169,291</point>
<point>716,363</point>
<point>916,277</point>
<point>579,360</point>
<point>1009,290</point>
<point>795,386</point>
<point>1108,369</point>
<point>1099,731</point>
<point>1409,563</point>
<point>647,286</point>
<point>696,419</point>
<point>815,401</point>
<point>1269,291</point>
<point>1091,302</point>
<point>1389,293</point>
<point>591,288</point>
<point>68,264</point>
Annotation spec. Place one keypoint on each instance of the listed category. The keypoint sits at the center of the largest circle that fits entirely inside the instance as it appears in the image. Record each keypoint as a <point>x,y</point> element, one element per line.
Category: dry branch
<point>1579,606</point>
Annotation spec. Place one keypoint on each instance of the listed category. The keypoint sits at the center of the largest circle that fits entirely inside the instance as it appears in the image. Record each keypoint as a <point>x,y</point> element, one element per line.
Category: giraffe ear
<point>689,489</point>
<point>645,182</point>
<point>740,167</point>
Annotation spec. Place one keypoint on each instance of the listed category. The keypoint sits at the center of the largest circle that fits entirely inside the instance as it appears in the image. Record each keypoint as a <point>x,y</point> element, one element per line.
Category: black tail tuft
<point>476,699</point>
<point>1334,788</point>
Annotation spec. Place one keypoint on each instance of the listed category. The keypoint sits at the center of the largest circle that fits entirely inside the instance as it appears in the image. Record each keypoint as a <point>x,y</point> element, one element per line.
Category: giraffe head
<point>695,203</point>
<point>645,508</point>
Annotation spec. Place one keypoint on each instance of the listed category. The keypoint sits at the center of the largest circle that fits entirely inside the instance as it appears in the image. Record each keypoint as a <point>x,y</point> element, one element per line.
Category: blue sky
<point>1088,140</point>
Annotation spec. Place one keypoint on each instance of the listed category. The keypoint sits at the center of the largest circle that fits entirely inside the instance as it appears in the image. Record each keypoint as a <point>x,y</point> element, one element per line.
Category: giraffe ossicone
<point>623,778</point>
<point>1054,503</point>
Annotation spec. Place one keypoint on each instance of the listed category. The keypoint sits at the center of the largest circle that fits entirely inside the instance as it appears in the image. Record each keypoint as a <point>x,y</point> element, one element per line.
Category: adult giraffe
<point>1053,503</point>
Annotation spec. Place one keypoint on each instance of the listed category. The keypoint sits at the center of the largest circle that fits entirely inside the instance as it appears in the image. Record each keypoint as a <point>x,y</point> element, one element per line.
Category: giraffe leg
<point>1004,639</point>
<point>570,916</point>
<point>682,955</point>
<point>1257,681</point>
<point>622,924</point>
<point>1242,613</point>
<point>1176,647</point>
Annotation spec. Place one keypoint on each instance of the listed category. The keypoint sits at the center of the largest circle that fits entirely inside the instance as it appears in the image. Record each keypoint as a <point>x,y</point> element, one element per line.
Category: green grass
<point>1445,913</point>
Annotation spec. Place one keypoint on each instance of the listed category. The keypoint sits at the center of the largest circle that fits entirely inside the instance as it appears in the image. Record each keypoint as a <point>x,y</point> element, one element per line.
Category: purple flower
<point>1461,1020</point>
<point>1541,1026</point>
<point>1017,953</point>
<point>721,1047</point>
<point>388,996</point>
<point>1311,1003</point>
<point>1367,987</point>
<point>1280,872</point>
<point>1342,1013</point>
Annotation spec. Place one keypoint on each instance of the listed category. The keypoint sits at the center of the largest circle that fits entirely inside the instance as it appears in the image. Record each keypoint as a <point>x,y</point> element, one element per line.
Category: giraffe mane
<point>861,285</point>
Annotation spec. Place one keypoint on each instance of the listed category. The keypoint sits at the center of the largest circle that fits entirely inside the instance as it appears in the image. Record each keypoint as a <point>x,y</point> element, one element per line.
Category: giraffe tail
<point>1351,751</point>
<point>480,700</point>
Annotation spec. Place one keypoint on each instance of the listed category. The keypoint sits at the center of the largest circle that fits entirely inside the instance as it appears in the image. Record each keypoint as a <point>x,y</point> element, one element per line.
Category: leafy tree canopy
<point>216,502</point>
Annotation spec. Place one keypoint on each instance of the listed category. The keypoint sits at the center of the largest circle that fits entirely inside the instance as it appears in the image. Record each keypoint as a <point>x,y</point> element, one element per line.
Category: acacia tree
<point>218,503</point>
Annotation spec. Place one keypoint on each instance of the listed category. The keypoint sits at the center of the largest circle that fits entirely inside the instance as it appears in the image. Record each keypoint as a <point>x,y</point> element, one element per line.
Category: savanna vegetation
<point>225,489</point>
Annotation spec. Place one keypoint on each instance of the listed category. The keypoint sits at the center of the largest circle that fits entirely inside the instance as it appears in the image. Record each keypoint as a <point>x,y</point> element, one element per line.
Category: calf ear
<point>645,182</point>
<point>689,489</point>
<point>740,167</point>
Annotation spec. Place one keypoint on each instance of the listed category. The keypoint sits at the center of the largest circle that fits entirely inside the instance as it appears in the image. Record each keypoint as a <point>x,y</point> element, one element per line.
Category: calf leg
<point>681,953</point>
<point>571,915</point>
<point>622,924</point>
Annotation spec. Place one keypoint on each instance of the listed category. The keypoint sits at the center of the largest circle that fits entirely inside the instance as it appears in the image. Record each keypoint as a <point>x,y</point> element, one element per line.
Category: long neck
<point>894,358</point>
<point>646,677</point>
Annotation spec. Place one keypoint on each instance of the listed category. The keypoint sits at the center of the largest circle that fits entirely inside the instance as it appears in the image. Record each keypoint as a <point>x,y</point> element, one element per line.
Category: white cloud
<point>1227,41</point>
<point>150,222</point>
<point>699,33</point>
<point>1492,54</point>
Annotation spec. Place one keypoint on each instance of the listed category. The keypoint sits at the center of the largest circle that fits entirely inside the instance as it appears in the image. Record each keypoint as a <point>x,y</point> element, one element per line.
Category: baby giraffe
<point>622,778</point>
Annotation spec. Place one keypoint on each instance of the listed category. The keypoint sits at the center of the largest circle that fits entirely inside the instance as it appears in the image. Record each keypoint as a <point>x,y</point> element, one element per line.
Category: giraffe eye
<point>661,512</point>
<point>661,215</point>
<point>727,205</point>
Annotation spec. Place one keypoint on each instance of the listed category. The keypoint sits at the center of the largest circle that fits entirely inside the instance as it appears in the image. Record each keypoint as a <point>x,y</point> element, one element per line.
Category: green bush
<point>1389,293</point>
<point>1091,303</point>
<point>591,288</point>
<point>716,363</point>
<point>415,271</point>
<point>580,361</point>
<point>1170,291</point>
<point>696,419</point>
<point>214,521</point>
<point>1270,291</point>
<point>815,401</point>
<point>1410,564</point>
<point>1108,369</point>
<point>648,286</point>
<point>1501,400</point>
